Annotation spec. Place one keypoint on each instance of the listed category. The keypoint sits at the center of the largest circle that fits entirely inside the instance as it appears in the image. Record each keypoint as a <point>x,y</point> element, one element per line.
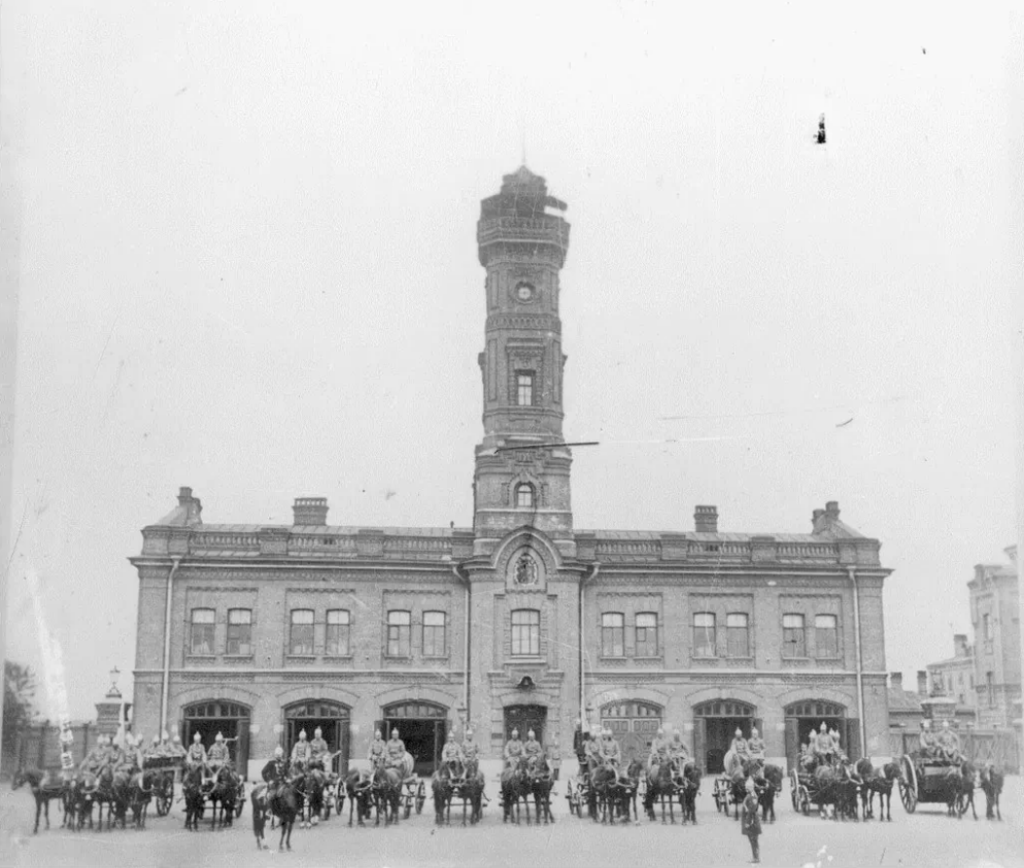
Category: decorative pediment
<point>526,559</point>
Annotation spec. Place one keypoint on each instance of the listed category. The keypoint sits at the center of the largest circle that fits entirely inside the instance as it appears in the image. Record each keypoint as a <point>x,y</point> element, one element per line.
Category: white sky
<point>247,264</point>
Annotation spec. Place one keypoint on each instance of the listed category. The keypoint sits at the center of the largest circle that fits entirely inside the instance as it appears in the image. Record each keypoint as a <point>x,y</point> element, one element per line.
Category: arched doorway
<point>715,724</point>
<point>807,716</point>
<point>634,725</point>
<point>230,719</point>
<point>524,718</point>
<point>331,717</point>
<point>422,726</point>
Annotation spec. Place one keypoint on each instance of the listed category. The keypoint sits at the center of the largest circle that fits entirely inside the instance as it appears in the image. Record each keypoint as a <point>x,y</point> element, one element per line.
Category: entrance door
<point>230,719</point>
<point>717,722</point>
<point>804,718</point>
<point>634,725</point>
<point>524,718</point>
<point>423,727</point>
<point>332,718</point>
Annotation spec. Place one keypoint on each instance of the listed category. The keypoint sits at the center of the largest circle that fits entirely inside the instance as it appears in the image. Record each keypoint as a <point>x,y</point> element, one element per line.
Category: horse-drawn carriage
<point>832,786</point>
<point>223,792</point>
<point>935,780</point>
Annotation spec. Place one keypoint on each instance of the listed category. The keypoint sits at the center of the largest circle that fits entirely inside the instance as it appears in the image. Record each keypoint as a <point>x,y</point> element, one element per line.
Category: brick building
<point>995,616</point>
<point>522,619</point>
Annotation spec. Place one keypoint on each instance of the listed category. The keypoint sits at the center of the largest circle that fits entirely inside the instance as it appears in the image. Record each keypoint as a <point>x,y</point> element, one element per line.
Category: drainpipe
<point>595,568</point>
<point>167,645</point>
<point>860,664</point>
<point>465,580</point>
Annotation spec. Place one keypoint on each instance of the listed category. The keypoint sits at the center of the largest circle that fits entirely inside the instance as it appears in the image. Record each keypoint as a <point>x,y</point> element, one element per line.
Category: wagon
<point>414,795</point>
<point>720,793</point>
<point>920,782</point>
<point>163,787</point>
<point>800,791</point>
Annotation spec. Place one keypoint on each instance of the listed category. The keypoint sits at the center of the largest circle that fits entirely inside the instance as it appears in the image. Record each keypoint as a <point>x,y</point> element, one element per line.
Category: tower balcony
<point>499,232</point>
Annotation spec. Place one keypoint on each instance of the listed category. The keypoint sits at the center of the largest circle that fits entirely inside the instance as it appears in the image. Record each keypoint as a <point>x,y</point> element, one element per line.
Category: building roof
<point>904,701</point>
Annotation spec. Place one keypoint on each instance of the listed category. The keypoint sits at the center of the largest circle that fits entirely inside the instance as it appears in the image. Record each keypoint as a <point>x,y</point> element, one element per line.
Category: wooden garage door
<point>634,724</point>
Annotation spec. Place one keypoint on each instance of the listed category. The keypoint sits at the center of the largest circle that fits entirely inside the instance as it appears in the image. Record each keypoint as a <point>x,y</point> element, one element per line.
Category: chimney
<point>705,519</point>
<point>310,511</point>
<point>184,495</point>
<point>192,505</point>
<point>817,520</point>
<point>922,682</point>
<point>960,644</point>
<point>832,510</point>
<point>896,680</point>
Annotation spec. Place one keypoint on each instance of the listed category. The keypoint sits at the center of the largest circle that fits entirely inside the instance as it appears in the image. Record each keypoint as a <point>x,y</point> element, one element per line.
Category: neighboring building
<point>995,614</point>
<point>522,619</point>
<point>954,677</point>
<point>905,709</point>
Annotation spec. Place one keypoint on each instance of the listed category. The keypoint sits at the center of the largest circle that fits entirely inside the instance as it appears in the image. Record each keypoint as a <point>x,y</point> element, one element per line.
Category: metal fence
<point>980,746</point>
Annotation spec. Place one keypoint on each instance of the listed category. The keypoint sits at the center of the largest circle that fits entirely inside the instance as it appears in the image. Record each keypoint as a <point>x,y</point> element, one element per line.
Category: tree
<point>19,707</point>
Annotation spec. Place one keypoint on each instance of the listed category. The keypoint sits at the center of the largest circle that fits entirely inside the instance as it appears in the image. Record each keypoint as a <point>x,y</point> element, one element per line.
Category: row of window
<point>337,633</point>
<point>525,634</point>
<point>706,635</point>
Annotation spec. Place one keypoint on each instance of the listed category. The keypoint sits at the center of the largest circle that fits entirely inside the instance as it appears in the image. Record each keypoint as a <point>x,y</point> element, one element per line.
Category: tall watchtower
<point>523,248</point>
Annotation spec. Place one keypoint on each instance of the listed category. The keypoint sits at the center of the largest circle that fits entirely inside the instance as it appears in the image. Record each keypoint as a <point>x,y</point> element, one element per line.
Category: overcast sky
<point>246,260</point>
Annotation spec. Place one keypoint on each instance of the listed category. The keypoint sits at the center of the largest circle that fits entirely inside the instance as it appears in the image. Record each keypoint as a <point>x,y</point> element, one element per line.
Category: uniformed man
<point>67,757</point>
<point>611,756</point>
<point>823,747</point>
<point>927,739</point>
<point>301,752</point>
<point>532,749</point>
<point>470,753</point>
<point>275,771</point>
<point>154,750</point>
<point>594,749</point>
<point>659,749</point>
<point>755,746</point>
<point>451,754</point>
<point>378,750</point>
<point>677,749</point>
<point>739,745</point>
<point>319,748</point>
<point>177,748</point>
<point>395,752</point>
<point>948,743</point>
<point>95,759</point>
<point>116,756</point>
<point>219,756</point>
<point>127,760</point>
<point>196,756</point>
<point>513,749</point>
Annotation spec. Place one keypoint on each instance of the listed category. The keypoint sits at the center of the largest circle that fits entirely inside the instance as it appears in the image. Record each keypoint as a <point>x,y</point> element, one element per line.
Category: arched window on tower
<point>524,495</point>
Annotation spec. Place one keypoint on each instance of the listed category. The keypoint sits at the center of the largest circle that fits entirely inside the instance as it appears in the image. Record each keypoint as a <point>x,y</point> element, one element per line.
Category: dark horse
<point>444,782</point>
<point>313,788</point>
<point>688,785</point>
<point>194,797</point>
<point>768,783</point>
<point>359,787</point>
<point>515,785</point>
<point>992,786</point>
<point>957,788</point>
<point>878,781</point>
<point>223,795</point>
<point>630,784</point>
<point>541,782</point>
<point>387,793</point>
<point>45,787</point>
<point>285,805</point>
<point>472,790</point>
<point>140,793</point>
<point>662,786</point>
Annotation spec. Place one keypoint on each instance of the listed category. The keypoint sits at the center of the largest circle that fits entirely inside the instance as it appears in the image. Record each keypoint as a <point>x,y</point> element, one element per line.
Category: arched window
<point>524,495</point>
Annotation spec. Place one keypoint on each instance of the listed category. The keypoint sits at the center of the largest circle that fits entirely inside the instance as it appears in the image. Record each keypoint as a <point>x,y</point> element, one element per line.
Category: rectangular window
<point>300,643</point>
<point>525,633</point>
<point>524,388</point>
<point>239,631</point>
<point>339,622</point>
<point>202,631</point>
<point>794,639</point>
<point>647,634</point>
<point>826,636</point>
<point>703,634</point>
<point>399,633</point>
<point>434,628</point>
<point>613,635</point>
<point>737,634</point>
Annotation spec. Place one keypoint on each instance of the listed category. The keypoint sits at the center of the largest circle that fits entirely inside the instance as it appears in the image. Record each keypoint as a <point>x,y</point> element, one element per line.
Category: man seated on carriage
<point>127,760</point>
<point>154,750</point>
<point>275,771</point>
<point>926,740</point>
<point>532,750</point>
<point>823,748</point>
<point>948,744</point>
<point>117,758</point>
<point>196,756</point>
<point>659,749</point>
<point>755,746</point>
<point>452,757</point>
<point>319,750</point>
<point>737,754</point>
<point>302,753</point>
<point>677,750</point>
<point>177,749</point>
<point>378,750</point>
<point>593,751</point>
<point>97,758</point>
<point>395,752</point>
<point>218,757</point>
<point>513,750</point>
<point>470,753</point>
<point>611,755</point>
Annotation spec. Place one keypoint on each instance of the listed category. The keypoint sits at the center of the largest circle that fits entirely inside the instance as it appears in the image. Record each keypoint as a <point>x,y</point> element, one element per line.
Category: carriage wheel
<point>908,786</point>
<point>794,790</point>
<point>421,797</point>
<point>805,801</point>
<point>339,800</point>
<point>164,801</point>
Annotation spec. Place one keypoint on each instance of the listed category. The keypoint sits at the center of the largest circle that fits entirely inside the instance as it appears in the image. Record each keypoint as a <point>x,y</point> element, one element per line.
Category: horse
<point>443,785</point>
<point>45,787</point>
<point>140,793</point>
<point>630,783</point>
<point>968,781</point>
<point>387,793</point>
<point>515,785</point>
<point>472,791</point>
<point>541,782</point>
<point>605,791</point>
<point>661,786</point>
<point>878,781</point>
<point>768,782</point>
<point>223,795</point>
<point>992,786</point>
<point>194,797</point>
<point>690,786</point>
<point>285,805</point>
<point>826,780</point>
<point>358,786</point>
<point>99,789</point>
<point>313,784</point>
